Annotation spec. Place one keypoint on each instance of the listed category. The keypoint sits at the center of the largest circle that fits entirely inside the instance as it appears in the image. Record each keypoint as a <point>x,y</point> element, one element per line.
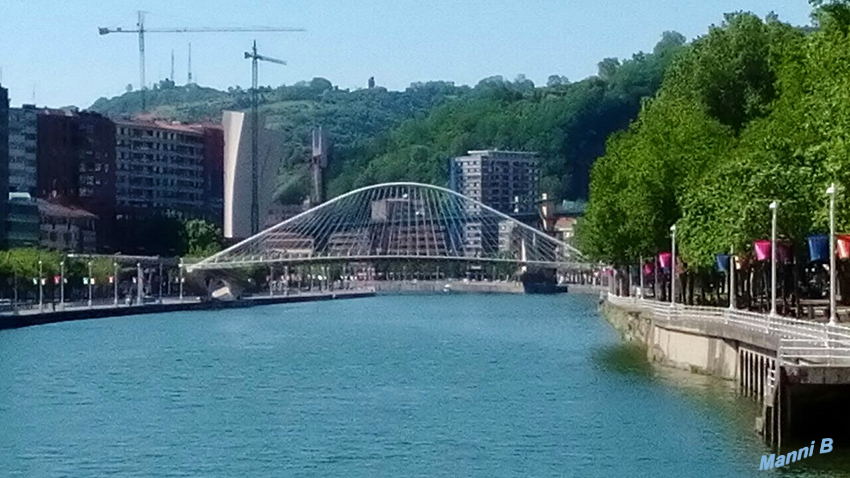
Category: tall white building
<point>237,172</point>
<point>23,149</point>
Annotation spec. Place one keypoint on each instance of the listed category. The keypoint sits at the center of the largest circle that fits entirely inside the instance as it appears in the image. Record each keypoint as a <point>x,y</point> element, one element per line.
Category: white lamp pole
<point>181,279</point>
<point>673,266</point>
<point>40,287</point>
<point>115,284</point>
<point>773,207</point>
<point>831,193</point>
<point>62,285</point>
<point>90,285</point>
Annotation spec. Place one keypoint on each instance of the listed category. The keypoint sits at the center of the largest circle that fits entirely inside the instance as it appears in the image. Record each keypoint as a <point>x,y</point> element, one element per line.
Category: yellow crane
<point>140,29</point>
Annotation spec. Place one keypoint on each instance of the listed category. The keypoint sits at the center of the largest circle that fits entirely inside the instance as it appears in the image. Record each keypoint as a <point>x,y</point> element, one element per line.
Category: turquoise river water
<point>443,385</point>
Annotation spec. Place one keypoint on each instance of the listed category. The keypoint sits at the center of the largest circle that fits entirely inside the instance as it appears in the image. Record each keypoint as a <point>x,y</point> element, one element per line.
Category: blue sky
<point>51,47</point>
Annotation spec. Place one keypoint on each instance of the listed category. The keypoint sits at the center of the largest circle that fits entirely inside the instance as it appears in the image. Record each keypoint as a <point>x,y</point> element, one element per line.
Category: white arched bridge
<point>398,221</point>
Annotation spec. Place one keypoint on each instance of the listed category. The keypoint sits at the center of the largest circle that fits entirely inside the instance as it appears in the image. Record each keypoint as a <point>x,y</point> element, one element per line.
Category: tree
<point>557,80</point>
<point>608,68</point>
<point>321,84</point>
<point>670,40</point>
<point>837,11</point>
<point>203,239</point>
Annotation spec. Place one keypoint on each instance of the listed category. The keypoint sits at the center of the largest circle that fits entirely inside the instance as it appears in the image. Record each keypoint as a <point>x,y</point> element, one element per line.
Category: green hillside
<point>379,135</point>
<point>349,117</point>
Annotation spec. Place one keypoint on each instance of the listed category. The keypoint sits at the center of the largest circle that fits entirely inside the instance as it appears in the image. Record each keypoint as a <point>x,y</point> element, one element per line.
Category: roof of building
<point>19,196</point>
<point>163,125</point>
<point>571,207</point>
<point>51,209</point>
<point>564,222</point>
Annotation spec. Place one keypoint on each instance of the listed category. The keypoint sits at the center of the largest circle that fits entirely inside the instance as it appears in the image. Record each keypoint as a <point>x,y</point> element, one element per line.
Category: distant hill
<point>567,123</point>
<point>350,118</point>
<point>378,135</point>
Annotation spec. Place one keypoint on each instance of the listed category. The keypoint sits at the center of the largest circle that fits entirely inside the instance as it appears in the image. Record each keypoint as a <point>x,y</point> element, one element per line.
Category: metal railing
<point>798,342</point>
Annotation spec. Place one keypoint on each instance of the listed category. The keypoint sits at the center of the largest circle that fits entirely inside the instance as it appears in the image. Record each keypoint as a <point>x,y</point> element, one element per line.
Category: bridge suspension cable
<point>402,220</point>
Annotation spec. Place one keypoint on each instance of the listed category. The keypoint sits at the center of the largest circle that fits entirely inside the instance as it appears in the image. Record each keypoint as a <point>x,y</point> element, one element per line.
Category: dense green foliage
<point>755,110</point>
<point>380,135</point>
<point>567,123</point>
<point>202,239</point>
<point>349,117</point>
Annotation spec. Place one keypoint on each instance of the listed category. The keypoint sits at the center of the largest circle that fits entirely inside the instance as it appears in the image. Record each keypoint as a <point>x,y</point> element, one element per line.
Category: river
<point>443,385</point>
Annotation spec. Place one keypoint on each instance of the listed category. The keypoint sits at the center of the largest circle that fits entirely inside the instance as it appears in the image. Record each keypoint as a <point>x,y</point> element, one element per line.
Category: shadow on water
<point>623,358</point>
<point>719,398</point>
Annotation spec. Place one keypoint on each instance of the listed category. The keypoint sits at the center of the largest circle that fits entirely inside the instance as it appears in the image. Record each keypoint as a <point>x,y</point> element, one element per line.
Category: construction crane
<point>255,119</point>
<point>141,30</point>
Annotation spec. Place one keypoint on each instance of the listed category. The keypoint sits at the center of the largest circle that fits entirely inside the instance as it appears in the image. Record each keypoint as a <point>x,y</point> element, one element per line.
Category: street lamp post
<point>181,279</point>
<point>62,285</point>
<point>140,285</point>
<point>774,206</point>
<point>831,193</point>
<point>115,283</point>
<point>673,266</point>
<point>91,279</point>
<point>40,287</point>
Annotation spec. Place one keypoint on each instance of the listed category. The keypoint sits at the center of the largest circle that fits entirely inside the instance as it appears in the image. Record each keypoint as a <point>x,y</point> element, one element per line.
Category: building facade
<point>23,148</point>
<point>67,229</point>
<point>160,168</point>
<point>22,222</point>
<point>559,218</point>
<point>4,161</point>
<point>238,173</point>
<point>214,173</point>
<point>507,181</point>
<point>77,167</point>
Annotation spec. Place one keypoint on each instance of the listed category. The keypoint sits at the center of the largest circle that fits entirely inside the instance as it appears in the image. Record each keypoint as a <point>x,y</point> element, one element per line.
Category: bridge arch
<point>398,220</point>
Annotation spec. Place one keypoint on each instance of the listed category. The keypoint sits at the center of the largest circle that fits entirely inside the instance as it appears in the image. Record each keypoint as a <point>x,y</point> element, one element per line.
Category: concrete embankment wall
<point>26,320</point>
<point>431,287</point>
<point>677,348</point>
<point>588,289</point>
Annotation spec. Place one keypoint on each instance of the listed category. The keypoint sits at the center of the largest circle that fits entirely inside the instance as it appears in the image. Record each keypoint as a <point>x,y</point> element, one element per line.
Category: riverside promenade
<point>33,316</point>
<point>798,370</point>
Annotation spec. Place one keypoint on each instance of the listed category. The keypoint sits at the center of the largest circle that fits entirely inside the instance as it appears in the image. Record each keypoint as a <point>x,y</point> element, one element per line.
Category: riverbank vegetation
<point>754,111</point>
